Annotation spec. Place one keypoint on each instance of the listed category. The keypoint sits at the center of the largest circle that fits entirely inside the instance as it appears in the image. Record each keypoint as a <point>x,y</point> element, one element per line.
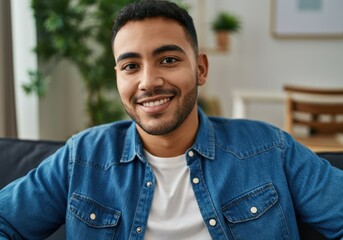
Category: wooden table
<point>323,143</point>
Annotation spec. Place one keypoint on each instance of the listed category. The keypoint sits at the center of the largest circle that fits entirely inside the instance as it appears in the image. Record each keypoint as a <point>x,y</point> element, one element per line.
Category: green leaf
<point>226,21</point>
<point>37,84</point>
<point>80,31</point>
<point>53,23</point>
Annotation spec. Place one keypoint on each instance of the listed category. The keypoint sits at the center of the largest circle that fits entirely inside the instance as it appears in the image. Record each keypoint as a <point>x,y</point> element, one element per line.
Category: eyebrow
<point>167,48</point>
<point>157,51</point>
<point>128,55</point>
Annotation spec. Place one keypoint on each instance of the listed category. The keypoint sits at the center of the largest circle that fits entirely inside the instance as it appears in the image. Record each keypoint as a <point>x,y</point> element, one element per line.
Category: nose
<point>150,79</point>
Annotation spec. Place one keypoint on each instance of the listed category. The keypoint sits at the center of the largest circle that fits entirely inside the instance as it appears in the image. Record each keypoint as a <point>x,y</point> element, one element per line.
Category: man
<point>172,172</point>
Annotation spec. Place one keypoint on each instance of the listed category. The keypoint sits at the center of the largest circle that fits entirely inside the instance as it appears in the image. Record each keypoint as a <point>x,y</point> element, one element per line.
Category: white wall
<point>62,112</point>
<point>24,39</point>
<point>256,61</point>
<point>259,61</point>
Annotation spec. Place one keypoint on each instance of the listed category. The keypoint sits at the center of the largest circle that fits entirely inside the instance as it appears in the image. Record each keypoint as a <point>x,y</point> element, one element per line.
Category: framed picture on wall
<point>307,18</point>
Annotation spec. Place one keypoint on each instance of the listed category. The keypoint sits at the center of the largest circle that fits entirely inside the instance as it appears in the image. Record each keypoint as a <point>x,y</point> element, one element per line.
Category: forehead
<point>148,34</point>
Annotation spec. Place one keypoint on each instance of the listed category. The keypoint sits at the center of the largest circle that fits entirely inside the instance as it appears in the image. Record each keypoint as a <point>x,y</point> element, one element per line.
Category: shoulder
<point>244,127</point>
<point>244,135</point>
<point>103,141</point>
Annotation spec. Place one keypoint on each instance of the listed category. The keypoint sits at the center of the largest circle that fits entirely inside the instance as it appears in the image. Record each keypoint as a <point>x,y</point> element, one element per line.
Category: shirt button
<point>92,216</point>
<point>212,222</point>
<point>139,230</point>
<point>253,210</point>
<point>196,180</point>
<point>149,184</point>
<point>191,153</point>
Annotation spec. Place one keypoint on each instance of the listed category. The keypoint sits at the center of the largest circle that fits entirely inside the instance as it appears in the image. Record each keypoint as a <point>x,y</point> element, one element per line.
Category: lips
<point>155,105</point>
<point>156,100</point>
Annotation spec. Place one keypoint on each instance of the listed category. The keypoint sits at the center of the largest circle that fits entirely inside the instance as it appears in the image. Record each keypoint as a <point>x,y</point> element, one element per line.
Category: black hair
<point>153,9</point>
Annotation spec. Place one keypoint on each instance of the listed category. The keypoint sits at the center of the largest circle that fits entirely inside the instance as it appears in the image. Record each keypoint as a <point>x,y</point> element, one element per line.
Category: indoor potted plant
<point>74,30</point>
<point>224,24</point>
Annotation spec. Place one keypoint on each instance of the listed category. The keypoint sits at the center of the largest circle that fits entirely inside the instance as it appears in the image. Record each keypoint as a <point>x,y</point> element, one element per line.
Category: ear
<point>202,69</point>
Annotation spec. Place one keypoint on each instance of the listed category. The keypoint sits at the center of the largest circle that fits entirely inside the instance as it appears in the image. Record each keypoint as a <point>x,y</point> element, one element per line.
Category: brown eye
<point>130,67</point>
<point>169,60</point>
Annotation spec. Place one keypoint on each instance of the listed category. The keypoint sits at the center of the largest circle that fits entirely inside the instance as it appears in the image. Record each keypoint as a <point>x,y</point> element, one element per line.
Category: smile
<point>156,103</point>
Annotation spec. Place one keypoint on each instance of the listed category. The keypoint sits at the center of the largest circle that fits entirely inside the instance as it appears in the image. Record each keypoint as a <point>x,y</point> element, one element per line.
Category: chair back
<point>319,111</point>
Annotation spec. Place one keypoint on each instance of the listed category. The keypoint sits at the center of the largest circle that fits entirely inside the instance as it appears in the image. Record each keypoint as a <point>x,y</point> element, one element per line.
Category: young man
<point>172,172</point>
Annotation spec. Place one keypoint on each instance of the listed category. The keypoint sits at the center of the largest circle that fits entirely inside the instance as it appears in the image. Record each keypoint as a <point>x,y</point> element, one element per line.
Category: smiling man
<point>172,172</point>
<point>158,74</point>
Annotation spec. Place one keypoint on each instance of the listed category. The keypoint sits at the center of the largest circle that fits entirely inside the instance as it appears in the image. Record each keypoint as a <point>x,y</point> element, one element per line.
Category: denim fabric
<point>252,181</point>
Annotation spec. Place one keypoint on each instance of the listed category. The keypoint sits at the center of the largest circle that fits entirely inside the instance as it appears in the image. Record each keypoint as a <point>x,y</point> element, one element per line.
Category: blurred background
<point>57,52</point>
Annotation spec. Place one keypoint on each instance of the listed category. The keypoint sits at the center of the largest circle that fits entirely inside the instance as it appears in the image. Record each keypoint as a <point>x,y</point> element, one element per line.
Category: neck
<point>174,143</point>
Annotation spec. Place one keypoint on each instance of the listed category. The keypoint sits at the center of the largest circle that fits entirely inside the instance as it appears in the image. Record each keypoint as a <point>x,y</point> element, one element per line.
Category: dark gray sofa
<point>17,157</point>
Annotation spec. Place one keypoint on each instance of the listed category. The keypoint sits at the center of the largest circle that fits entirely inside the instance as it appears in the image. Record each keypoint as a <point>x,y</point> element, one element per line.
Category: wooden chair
<point>315,117</point>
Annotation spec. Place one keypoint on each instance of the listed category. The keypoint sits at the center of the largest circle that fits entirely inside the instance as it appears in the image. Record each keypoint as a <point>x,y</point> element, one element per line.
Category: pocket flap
<point>92,212</point>
<point>250,205</point>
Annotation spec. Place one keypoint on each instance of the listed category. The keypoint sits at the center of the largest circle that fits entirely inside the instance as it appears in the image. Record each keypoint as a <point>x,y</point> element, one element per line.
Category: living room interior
<point>260,61</point>
<point>246,80</point>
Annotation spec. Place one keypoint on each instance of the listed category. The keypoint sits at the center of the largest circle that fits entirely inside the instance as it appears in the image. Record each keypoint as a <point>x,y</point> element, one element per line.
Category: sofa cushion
<point>18,157</point>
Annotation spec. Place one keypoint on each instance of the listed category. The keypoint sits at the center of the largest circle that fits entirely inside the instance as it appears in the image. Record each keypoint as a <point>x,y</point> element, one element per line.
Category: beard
<point>167,126</point>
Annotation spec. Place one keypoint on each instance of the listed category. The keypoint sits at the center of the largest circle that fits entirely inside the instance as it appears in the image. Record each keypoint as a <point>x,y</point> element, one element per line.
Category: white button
<point>212,222</point>
<point>92,216</point>
<point>196,180</point>
<point>253,210</point>
<point>191,153</point>
<point>139,230</point>
<point>149,184</point>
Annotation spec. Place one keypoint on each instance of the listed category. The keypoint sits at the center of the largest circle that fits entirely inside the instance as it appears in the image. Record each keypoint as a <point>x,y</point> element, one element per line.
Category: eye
<point>169,60</point>
<point>129,67</point>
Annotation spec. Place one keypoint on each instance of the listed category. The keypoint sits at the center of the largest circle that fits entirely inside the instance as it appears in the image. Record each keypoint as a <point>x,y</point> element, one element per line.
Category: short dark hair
<point>153,9</point>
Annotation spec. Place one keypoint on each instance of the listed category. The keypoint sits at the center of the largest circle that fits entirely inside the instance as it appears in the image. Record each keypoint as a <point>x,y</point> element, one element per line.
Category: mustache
<point>155,92</point>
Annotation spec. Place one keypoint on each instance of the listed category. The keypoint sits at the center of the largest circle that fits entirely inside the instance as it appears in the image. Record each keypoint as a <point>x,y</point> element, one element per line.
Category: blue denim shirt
<point>254,180</point>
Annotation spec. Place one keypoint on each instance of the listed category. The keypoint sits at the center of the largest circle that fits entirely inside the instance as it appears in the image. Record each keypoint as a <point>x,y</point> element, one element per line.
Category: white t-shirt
<point>174,212</point>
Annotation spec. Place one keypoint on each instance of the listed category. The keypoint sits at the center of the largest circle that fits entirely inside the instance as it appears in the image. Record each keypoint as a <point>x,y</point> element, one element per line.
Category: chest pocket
<point>256,214</point>
<point>91,219</point>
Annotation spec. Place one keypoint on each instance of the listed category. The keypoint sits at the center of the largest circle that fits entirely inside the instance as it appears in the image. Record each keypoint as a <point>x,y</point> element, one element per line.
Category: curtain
<point>8,114</point>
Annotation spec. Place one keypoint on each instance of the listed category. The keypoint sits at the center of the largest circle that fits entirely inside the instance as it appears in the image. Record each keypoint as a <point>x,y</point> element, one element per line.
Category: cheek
<point>123,88</point>
<point>189,80</point>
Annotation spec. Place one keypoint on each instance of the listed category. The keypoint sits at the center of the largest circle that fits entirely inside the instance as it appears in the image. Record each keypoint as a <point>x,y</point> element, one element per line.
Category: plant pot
<point>223,40</point>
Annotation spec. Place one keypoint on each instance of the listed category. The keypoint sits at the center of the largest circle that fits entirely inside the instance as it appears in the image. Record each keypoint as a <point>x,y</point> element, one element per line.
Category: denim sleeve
<point>316,188</point>
<point>34,206</point>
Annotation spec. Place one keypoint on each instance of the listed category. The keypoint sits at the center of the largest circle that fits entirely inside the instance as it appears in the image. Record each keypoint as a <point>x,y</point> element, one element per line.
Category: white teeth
<point>156,103</point>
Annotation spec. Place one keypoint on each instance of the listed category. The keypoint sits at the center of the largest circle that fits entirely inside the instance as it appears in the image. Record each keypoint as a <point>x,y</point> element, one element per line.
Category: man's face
<point>157,74</point>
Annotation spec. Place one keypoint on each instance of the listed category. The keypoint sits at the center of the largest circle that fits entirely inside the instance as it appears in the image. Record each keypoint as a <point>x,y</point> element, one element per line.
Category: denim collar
<point>204,142</point>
